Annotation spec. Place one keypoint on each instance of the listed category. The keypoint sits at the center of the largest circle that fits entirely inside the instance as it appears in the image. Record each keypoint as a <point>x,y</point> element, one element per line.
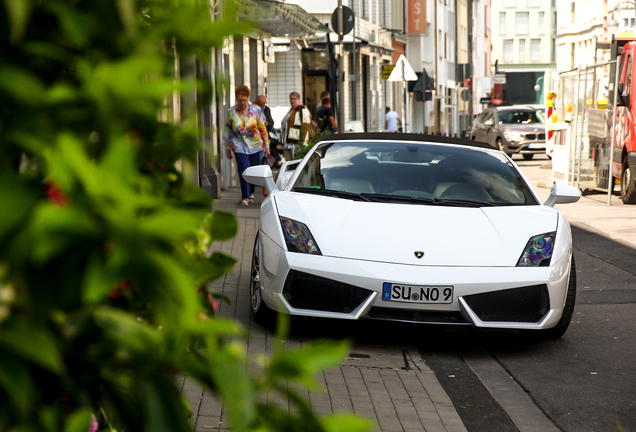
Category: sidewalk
<point>592,213</point>
<point>395,390</point>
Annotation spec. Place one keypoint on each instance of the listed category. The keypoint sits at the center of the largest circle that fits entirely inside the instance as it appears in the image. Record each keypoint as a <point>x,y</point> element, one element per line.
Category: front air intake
<point>307,291</point>
<point>528,304</point>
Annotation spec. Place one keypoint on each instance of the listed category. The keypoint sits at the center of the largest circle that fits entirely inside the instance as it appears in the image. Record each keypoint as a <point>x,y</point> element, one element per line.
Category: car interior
<point>415,171</point>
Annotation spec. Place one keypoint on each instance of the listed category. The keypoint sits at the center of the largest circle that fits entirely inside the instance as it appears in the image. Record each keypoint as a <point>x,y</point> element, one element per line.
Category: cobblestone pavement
<point>392,387</point>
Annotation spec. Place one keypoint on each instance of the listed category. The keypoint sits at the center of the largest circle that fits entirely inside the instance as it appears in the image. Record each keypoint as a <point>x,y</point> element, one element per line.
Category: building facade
<point>524,47</point>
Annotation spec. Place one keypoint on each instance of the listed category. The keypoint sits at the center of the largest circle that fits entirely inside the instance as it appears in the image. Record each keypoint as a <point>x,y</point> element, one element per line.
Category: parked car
<point>415,228</point>
<point>512,129</point>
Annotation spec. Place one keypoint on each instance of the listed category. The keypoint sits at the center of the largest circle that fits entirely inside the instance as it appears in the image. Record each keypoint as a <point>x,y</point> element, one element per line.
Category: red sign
<point>496,101</point>
<point>416,17</point>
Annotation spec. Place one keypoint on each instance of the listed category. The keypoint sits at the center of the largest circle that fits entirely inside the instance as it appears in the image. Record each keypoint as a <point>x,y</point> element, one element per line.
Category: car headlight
<point>513,135</point>
<point>298,237</point>
<point>538,251</point>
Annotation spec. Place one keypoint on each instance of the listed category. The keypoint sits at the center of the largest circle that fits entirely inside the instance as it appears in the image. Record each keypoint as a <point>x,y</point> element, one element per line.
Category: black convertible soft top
<point>392,136</point>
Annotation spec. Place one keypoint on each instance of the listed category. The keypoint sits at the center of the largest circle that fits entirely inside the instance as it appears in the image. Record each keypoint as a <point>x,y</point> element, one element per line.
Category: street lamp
<point>537,87</point>
<point>612,23</point>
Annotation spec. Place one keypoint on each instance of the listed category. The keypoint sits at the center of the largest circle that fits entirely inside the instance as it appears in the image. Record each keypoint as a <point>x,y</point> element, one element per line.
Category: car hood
<point>525,128</point>
<point>393,233</point>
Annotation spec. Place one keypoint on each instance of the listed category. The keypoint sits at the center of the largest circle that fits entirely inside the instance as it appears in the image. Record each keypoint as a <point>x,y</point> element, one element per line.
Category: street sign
<point>403,71</point>
<point>484,100</point>
<point>353,77</point>
<point>347,17</point>
<point>386,70</point>
<point>499,79</point>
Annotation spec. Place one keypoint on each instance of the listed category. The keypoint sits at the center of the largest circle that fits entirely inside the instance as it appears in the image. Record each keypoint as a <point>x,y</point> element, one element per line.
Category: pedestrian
<point>391,120</point>
<point>324,94</point>
<point>261,101</point>
<point>295,126</point>
<point>245,135</point>
<point>326,118</point>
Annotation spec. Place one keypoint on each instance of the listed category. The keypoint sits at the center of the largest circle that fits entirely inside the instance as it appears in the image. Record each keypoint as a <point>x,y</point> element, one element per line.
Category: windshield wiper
<point>401,198</point>
<point>464,202</point>
<point>433,201</point>
<point>332,193</point>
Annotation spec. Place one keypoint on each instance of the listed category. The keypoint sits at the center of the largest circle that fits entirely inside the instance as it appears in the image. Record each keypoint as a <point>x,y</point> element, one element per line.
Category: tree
<point>103,244</point>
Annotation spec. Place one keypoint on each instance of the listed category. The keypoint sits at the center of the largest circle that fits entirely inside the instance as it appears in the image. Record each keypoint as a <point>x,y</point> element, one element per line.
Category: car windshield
<point>413,172</point>
<point>519,117</point>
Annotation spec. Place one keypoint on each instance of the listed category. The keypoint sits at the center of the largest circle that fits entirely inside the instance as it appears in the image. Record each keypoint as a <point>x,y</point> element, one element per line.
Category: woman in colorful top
<point>246,136</point>
<point>295,126</point>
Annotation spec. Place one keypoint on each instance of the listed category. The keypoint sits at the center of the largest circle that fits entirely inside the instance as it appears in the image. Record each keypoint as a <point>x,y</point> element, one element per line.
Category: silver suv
<point>512,129</point>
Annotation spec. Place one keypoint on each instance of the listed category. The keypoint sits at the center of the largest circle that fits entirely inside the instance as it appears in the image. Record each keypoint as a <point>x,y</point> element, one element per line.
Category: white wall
<point>284,77</point>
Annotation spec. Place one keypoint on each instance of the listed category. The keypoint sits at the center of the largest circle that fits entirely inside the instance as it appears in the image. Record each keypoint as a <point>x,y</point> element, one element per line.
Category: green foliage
<point>303,150</point>
<point>104,261</point>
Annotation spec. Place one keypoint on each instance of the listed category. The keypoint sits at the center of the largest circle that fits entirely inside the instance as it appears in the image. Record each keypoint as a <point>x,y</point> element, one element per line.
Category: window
<point>572,13</point>
<point>541,23</point>
<point>522,50</point>
<point>507,50</point>
<point>521,23</point>
<point>534,3</point>
<point>502,23</point>
<point>535,50</point>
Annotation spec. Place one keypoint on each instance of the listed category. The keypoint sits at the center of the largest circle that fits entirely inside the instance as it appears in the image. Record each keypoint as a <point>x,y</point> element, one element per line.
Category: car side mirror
<point>623,95</point>
<point>562,193</point>
<point>489,122</point>
<point>260,175</point>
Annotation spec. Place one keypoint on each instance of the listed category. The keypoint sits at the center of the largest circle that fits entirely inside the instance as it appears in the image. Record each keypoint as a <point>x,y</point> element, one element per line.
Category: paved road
<point>587,380</point>
<point>495,381</point>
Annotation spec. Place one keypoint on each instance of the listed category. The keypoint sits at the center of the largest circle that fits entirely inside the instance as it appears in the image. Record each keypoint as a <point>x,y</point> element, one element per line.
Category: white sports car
<point>413,228</point>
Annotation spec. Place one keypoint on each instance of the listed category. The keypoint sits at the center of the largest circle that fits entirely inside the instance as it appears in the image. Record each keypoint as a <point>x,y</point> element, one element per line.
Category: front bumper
<point>533,145</point>
<point>496,297</point>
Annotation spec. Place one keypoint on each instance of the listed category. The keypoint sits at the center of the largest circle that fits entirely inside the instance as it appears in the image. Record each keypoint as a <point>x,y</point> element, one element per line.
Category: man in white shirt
<point>391,120</point>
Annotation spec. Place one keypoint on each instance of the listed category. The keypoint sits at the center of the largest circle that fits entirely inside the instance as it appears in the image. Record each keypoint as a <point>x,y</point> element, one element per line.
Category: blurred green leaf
<point>55,228</point>
<point>19,13</point>
<point>17,201</point>
<point>126,331</point>
<point>230,375</point>
<point>16,380</point>
<point>223,226</point>
<point>78,421</point>
<point>33,344</point>
<point>21,84</point>
<point>343,422</point>
<point>303,364</point>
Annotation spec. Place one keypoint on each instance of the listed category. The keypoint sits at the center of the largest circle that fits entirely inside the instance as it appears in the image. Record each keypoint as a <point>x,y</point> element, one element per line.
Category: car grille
<point>410,315</point>
<point>533,137</point>
<point>307,291</point>
<point>526,304</point>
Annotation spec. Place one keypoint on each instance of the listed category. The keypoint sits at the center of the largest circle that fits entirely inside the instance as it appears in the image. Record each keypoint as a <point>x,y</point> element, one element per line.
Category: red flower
<point>55,194</point>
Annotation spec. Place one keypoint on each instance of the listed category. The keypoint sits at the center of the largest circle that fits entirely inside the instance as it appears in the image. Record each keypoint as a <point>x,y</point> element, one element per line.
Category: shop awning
<point>280,19</point>
<point>319,42</point>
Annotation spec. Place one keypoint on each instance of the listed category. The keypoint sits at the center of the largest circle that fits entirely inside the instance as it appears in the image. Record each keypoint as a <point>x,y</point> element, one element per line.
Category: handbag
<point>268,160</point>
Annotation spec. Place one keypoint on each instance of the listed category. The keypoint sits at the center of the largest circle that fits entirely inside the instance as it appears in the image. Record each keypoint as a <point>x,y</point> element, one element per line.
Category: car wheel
<point>261,313</point>
<point>628,188</point>
<point>568,310</point>
<point>527,156</point>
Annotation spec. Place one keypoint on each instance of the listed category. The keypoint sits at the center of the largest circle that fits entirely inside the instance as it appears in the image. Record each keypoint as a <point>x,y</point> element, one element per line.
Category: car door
<point>489,132</point>
<point>479,129</point>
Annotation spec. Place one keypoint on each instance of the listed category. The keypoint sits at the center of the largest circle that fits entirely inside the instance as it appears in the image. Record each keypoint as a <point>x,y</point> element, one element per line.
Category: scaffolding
<point>583,148</point>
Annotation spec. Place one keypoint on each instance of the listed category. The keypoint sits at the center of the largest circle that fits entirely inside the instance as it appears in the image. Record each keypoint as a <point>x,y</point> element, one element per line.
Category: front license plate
<point>417,294</point>
<point>536,146</point>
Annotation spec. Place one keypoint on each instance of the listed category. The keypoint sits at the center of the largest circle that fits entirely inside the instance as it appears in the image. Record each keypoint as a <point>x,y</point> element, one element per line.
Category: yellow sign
<point>386,70</point>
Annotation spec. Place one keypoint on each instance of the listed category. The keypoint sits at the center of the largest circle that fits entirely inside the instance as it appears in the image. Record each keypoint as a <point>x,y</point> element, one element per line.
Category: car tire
<point>260,312</point>
<point>568,310</point>
<point>628,188</point>
<point>527,156</point>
